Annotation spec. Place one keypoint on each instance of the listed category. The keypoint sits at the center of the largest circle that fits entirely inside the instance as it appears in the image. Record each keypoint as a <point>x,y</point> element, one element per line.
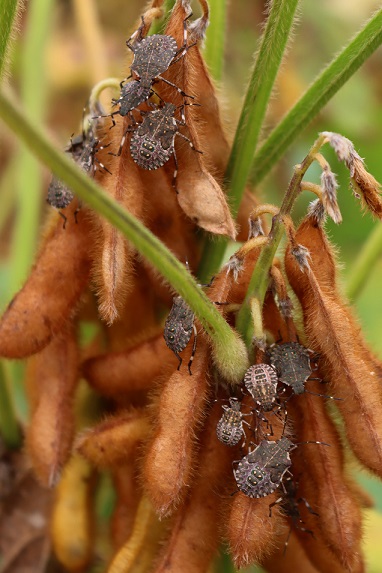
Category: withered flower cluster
<point>173,479</point>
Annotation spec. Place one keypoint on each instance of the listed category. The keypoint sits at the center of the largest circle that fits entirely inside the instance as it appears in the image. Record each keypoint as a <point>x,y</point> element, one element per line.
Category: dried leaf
<point>331,331</point>
<point>52,381</point>
<point>52,292</point>
<point>194,537</point>
<point>119,373</point>
<point>114,440</point>
<point>169,457</point>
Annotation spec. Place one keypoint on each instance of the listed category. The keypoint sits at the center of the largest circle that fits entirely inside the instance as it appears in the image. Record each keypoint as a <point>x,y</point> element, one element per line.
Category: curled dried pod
<point>50,295</point>
<point>332,332</point>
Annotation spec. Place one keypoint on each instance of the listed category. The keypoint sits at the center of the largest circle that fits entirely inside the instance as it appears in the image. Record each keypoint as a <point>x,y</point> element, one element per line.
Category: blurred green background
<point>64,47</point>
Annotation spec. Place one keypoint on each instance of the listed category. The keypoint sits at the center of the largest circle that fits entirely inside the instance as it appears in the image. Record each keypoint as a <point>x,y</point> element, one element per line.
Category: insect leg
<point>65,219</point>
<point>180,360</point>
<point>193,349</point>
<point>279,500</point>
<point>308,506</point>
<point>175,175</point>
<point>189,141</point>
<point>182,93</point>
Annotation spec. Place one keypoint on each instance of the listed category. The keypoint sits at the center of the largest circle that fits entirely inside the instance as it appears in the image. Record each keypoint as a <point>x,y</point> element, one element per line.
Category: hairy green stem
<point>215,38</point>
<point>260,279</point>
<point>226,343</point>
<point>8,14</point>
<point>9,428</point>
<point>326,85</point>
<point>364,263</point>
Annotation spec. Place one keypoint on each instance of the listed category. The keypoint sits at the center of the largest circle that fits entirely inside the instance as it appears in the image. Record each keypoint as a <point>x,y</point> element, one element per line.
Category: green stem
<point>364,264</point>
<point>330,80</point>
<point>260,278</point>
<point>215,38</point>
<point>271,50</point>
<point>8,14</point>
<point>224,339</point>
<point>9,427</point>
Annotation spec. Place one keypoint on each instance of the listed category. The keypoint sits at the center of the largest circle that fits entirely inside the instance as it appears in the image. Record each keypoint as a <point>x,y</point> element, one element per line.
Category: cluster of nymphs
<point>152,130</point>
<point>261,471</point>
<point>180,494</point>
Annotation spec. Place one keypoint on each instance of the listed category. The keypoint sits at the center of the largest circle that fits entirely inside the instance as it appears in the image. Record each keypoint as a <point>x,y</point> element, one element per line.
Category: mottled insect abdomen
<point>261,382</point>
<point>153,141</point>
<point>260,472</point>
<point>292,363</point>
<point>229,429</point>
<point>152,57</point>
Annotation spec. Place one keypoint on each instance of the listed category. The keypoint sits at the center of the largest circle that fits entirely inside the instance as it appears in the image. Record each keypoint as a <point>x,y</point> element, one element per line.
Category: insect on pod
<point>261,382</point>
<point>152,56</point>
<point>290,503</point>
<point>83,149</point>
<point>152,143</point>
<point>178,329</point>
<point>229,429</point>
<point>261,471</point>
<point>292,363</point>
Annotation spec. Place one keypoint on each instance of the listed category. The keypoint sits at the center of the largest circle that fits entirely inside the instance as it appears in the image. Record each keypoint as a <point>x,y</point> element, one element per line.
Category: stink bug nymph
<point>292,363</point>
<point>261,471</point>
<point>261,382</point>
<point>178,329</point>
<point>229,429</point>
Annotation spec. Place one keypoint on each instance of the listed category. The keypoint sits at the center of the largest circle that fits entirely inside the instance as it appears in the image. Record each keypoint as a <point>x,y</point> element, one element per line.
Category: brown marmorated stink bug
<point>261,471</point>
<point>229,429</point>
<point>261,382</point>
<point>83,149</point>
<point>178,329</point>
<point>152,56</point>
<point>292,363</point>
<point>152,143</point>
